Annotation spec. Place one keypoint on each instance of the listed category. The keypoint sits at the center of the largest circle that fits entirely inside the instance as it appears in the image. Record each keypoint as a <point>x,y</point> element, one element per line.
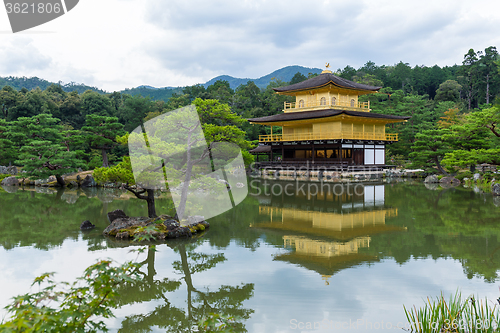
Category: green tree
<point>178,101</point>
<point>95,103</point>
<point>368,79</point>
<point>116,101</point>
<point>122,172</point>
<point>399,77</point>
<point>347,73</point>
<point>194,92</point>
<point>488,71</point>
<point>133,110</point>
<point>218,123</point>
<point>465,158</point>
<point>8,151</point>
<point>101,132</point>
<point>429,149</point>
<point>70,110</point>
<point>221,91</point>
<point>43,153</point>
<point>29,104</point>
<point>184,140</point>
<point>298,77</point>
<point>448,91</point>
<point>8,101</point>
<point>469,76</point>
<point>488,118</point>
<point>246,97</point>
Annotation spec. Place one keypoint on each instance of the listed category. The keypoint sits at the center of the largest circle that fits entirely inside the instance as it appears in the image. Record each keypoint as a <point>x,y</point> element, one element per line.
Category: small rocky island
<point>123,227</point>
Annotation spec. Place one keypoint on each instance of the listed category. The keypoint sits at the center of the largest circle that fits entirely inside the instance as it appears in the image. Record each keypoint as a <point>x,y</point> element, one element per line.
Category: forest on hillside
<point>455,110</point>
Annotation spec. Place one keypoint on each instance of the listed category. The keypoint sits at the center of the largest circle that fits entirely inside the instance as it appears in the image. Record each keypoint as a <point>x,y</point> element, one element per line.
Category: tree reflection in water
<point>227,300</point>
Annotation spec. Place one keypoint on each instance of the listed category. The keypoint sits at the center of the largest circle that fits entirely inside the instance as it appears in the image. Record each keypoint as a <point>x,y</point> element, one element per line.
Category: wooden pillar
<point>340,151</point>
<point>282,152</point>
<point>313,153</point>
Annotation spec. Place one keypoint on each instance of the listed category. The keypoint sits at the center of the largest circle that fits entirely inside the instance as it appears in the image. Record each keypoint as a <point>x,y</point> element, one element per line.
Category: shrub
<point>122,172</point>
<point>466,174</point>
<point>3,176</point>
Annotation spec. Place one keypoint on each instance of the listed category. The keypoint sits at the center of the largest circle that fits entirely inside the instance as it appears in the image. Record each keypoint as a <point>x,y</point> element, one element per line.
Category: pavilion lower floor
<point>316,154</point>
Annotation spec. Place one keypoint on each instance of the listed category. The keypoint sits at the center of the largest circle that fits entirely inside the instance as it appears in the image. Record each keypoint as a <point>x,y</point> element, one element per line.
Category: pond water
<point>287,259</point>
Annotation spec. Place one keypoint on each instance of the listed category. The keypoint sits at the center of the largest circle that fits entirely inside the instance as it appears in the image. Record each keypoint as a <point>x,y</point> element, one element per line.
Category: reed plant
<point>458,314</point>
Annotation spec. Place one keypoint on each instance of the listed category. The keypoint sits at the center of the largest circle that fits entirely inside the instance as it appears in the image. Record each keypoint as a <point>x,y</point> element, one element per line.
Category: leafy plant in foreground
<point>455,315</point>
<point>76,307</point>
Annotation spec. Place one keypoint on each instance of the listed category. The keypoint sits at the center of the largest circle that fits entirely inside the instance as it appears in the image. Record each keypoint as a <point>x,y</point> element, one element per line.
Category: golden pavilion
<point>327,125</point>
<point>327,233</point>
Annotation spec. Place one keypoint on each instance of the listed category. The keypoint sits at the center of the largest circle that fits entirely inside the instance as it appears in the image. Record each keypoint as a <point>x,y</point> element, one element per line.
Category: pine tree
<point>43,152</point>
<point>101,132</point>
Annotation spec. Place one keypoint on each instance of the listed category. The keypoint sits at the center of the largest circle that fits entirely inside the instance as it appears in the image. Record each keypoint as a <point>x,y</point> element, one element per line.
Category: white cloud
<point>22,56</point>
<point>115,44</point>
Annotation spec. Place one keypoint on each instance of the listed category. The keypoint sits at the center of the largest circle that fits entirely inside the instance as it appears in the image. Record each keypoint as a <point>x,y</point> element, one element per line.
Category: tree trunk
<point>184,193</point>
<point>105,163</point>
<point>488,88</point>
<point>187,179</point>
<point>151,203</point>
<point>60,181</point>
<point>150,199</point>
<point>440,168</point>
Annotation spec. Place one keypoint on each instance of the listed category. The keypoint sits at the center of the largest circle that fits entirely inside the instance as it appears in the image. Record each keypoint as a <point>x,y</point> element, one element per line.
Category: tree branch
<point>136,193</point>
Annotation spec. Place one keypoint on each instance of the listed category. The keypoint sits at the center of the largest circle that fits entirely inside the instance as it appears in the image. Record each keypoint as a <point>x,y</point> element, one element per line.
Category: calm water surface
<point>343,260</point>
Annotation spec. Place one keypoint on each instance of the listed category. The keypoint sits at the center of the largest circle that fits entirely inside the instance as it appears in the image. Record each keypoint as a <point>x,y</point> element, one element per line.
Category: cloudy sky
<point>117,44</point>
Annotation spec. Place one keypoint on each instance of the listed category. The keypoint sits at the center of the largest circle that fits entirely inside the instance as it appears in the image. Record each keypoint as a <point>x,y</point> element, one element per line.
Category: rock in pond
<point>165,228</point>
<point>118,213</point>
<point>86,225</point>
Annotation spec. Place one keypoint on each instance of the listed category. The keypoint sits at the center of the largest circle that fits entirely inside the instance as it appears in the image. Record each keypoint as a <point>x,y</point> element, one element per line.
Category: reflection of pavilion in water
<point>326,232</point>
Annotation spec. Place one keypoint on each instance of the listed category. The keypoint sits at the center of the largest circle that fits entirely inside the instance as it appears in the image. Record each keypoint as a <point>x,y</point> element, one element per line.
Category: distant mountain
<point>30,83</point>
<point>148,87</point>
<point>284,74</point>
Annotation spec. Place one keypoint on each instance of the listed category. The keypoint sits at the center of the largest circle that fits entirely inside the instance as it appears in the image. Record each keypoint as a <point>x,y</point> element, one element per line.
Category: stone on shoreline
<point>450,180</point>
<point>88,182</point>
<point>8,170</point>
<point>495,189</point>
<point>431,179</point>
<point>10,181</point>
<point>166,228</point>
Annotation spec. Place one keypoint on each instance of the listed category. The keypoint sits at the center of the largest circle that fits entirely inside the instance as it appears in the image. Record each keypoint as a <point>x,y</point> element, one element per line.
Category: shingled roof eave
<point>330,79</point>
<point>376,89</point>
<point>333,113</point>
